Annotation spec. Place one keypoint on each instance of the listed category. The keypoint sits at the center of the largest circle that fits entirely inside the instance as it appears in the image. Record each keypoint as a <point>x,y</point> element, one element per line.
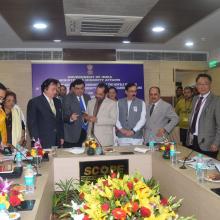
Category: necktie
<point>195,116</point>
<point>52,106</point>
<point>82,109</point>
<point>152,109</point>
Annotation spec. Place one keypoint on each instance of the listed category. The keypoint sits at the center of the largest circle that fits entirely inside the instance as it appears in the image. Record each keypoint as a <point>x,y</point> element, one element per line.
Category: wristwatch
<point>133,130</point>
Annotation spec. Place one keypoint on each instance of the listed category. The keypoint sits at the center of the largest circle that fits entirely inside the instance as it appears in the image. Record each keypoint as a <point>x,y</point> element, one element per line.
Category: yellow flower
<point>33,152</point>
<point>127,208</point>
<point>117,203</point>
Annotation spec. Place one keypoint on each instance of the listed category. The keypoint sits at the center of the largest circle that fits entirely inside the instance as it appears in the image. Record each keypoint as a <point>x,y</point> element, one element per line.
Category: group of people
<point>60,119</point>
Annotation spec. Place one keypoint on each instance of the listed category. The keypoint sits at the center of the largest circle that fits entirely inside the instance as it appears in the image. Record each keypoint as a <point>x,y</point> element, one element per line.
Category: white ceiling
<point>205,34</point>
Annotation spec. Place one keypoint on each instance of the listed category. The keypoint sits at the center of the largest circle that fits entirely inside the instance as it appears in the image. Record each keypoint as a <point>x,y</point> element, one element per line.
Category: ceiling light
<point>158,29</point>
<point>40,26</point>
<point>189,43</point>
<point>126,42</point>
<point>57,41</point>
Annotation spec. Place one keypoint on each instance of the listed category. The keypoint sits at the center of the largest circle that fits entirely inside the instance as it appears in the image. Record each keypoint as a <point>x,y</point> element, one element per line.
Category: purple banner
<point>117,75</point>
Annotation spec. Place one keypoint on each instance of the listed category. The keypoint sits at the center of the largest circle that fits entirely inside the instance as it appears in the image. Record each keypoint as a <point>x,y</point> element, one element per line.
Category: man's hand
<point>161,132</point>
<point>92,119</point>
<point>74,117</point>
<point>61,142</point>
<point>130,133</point>
<point>214,148</point>
<point>123,131</point>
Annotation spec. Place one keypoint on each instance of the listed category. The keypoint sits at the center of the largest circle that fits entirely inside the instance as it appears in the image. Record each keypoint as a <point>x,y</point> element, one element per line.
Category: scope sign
<point>92,170</point>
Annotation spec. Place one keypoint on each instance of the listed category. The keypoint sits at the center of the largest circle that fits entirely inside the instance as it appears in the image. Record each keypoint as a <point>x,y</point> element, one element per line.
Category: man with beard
<point>101,115</point>
<point>131,117</point>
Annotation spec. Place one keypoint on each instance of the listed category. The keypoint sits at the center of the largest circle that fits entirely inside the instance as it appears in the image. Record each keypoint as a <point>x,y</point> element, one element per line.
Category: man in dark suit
<point>44,116</point>
<point>74,106</point>
<point>204,131</point>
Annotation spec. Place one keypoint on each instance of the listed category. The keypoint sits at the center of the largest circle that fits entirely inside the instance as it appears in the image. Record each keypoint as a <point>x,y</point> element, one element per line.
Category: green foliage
<point>66,191</point>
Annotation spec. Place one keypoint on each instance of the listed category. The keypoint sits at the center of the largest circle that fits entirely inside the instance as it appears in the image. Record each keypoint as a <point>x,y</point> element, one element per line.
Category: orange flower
<point>119,214</point>
<point>135,207</point>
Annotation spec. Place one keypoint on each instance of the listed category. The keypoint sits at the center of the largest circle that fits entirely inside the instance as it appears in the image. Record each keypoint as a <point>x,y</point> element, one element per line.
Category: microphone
<point>184,162</point>
<point>36,168</point>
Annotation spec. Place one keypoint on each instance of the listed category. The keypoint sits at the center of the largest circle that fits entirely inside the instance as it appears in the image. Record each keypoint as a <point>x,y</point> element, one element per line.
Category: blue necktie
<point>82,108</point>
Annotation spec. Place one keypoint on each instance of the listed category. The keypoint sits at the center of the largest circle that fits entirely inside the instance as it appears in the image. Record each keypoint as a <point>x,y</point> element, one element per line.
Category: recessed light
<point>57,41</point>
<point>126,42</point>
<point>40,26</point>
<point>158,29</point>
<point>189,44</point>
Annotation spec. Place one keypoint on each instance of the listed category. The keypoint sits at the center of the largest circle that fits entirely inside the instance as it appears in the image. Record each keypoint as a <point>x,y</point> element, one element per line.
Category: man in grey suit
<point>160,117</point>
<point>74,106</point>
<point>204,131</point>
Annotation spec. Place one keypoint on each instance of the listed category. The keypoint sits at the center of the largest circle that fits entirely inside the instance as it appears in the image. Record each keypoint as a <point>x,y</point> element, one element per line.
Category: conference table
<point>199,200</point>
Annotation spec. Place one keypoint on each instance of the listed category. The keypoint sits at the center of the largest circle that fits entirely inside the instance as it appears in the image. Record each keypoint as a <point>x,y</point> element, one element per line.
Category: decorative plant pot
<point>166,155</point>
<point>90,151</point>
<point>98,151</point>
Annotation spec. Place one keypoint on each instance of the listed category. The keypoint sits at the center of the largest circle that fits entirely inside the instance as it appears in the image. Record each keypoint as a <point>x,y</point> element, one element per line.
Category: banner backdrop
<point>117,75</point>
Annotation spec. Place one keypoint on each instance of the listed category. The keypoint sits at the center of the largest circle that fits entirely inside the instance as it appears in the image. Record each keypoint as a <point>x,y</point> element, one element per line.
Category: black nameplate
<point>92,170</point>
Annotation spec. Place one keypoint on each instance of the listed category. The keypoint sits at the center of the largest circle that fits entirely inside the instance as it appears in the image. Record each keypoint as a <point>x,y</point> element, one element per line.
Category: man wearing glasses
<point>204,130</point>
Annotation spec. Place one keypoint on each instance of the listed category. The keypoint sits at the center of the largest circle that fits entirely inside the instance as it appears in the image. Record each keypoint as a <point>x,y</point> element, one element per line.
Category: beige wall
<point>162,74</point>
<point>187,78</point>
<point>17,76</point>
<point>215,73</point>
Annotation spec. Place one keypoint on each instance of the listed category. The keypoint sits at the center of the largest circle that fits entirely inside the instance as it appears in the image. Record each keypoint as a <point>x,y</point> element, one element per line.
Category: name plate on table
<point>92,170</point>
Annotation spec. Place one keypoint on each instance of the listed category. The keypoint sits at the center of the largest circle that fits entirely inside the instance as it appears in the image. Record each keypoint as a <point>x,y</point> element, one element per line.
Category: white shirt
<point>200,111</point>
<point>155,105</point>
<point>138,126</point>
<point>48,99</point>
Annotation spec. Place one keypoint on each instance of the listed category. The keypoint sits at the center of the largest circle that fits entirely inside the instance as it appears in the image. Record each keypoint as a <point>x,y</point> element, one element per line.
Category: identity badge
<point>135,108</point>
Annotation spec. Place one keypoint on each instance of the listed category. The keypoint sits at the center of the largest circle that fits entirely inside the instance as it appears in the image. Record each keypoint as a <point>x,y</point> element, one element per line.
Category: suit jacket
<point>72,130</point>
<point>106,120</point>
<point>42,123</point>
<point>163,116</point>
<point>209,122</point>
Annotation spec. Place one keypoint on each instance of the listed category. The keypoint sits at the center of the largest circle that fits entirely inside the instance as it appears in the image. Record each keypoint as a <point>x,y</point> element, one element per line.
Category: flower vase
<point>90,151</point>
<point>166,154</point>
<point>98,151</point>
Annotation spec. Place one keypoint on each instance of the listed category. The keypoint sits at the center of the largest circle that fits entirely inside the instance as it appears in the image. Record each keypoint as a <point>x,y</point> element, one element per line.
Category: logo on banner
<point>89,69</point>
<point>92,170</point>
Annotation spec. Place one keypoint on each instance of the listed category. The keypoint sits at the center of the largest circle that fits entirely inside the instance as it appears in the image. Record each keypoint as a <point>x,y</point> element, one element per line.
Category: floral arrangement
<point>8,196</point>
<point>37,150</point>
<point>127,198</point>
<point>92,146</point>
<point>91,142</point>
